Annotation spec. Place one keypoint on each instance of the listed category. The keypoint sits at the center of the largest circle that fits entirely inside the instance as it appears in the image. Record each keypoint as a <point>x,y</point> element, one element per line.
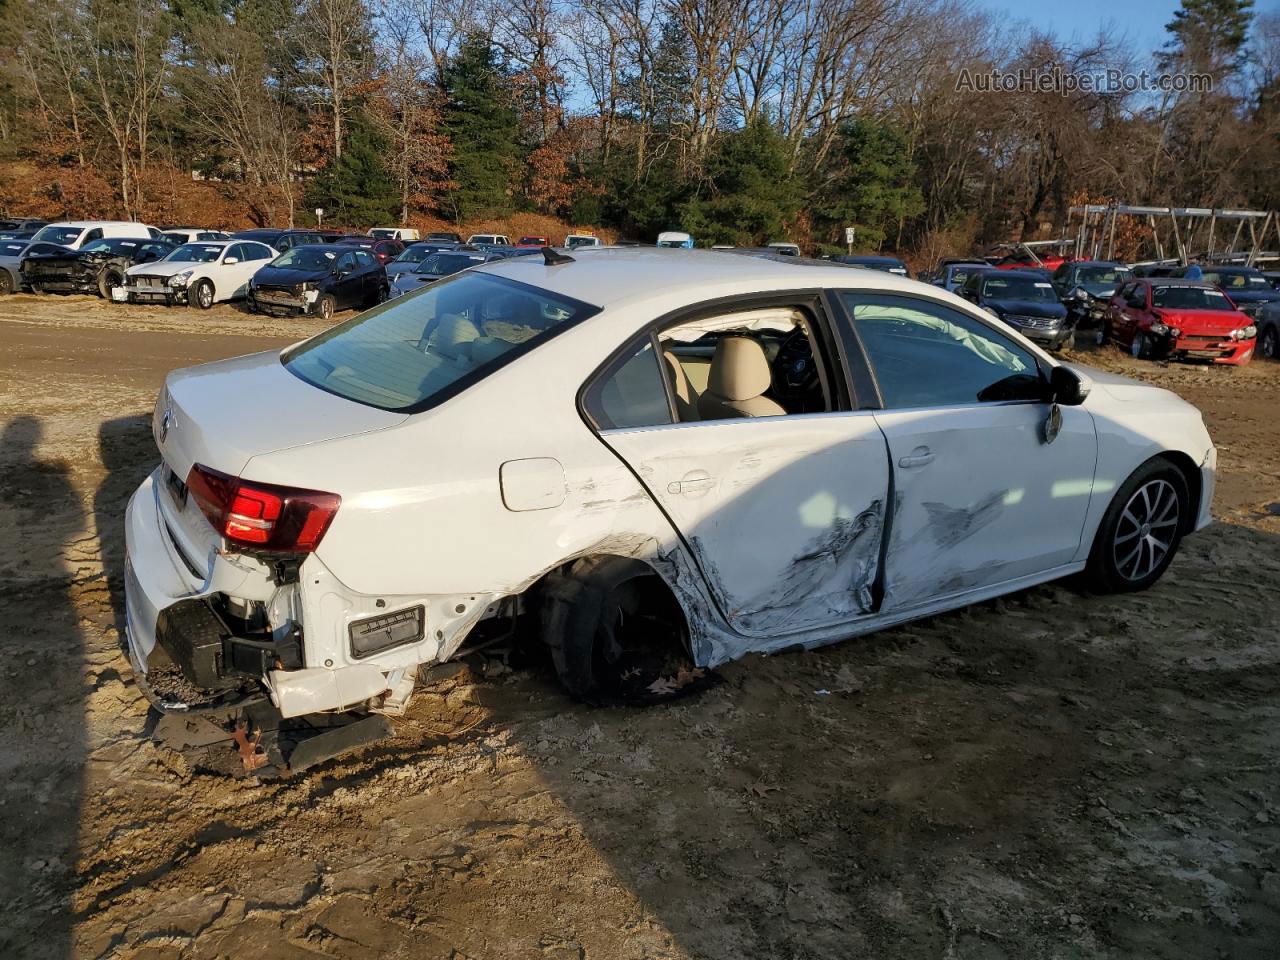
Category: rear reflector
<point>262,515</point>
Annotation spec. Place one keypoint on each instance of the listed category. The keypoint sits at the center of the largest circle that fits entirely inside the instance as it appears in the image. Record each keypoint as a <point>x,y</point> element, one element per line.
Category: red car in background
<point>385,250</point>
<point>535,240</point>
<point>1178,319</point>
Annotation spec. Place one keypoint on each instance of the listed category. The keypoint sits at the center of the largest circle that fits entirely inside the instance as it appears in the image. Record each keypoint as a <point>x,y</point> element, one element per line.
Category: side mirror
<point>231,260</point>
<point>1067,387</point>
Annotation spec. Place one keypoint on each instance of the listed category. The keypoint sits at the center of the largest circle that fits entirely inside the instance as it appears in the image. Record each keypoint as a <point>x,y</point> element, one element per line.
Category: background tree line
<point>741,121</point>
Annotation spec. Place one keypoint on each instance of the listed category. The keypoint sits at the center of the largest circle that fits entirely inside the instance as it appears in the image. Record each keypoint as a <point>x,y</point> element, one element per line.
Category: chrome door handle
<point>919,457</point>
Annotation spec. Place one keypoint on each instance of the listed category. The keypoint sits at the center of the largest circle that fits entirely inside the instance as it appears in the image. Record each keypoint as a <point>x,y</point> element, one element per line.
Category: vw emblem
<point>166,421</point>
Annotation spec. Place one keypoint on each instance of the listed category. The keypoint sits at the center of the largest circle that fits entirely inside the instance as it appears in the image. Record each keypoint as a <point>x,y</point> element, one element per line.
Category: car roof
<point>608,275</point>
<point>1095,263</point>
<point>859,258</point>
<point>1233,269</point>
<point>95,223</point>
<point>1179,282</point>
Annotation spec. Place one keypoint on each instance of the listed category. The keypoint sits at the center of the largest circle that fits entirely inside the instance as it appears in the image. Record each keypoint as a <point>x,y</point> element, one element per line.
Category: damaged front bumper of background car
<point>281,301</point>
<point>213,631</point>
<point>140,288</point>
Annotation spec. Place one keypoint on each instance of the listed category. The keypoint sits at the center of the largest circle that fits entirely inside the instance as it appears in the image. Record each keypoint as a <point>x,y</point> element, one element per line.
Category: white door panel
<point>979,498</point>
<point>783,514</point>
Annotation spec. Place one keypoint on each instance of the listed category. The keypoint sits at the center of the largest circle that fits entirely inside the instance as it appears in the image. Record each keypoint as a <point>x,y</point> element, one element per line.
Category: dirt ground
<point>1048,775</point>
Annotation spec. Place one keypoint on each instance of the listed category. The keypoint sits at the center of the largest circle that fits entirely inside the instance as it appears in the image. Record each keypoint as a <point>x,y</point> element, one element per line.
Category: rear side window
<point>925,354</point>
<point>417,351</point>
<point>633,394</point>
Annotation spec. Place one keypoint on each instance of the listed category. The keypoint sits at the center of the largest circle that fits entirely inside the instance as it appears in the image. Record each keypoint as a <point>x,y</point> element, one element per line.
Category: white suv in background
<point>489,240</point>
<point>74,234</point>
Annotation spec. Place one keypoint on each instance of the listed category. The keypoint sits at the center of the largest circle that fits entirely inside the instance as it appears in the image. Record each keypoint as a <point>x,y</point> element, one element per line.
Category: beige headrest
<point>453,336</point>
<point>485,349</point>
<point>739,369</point>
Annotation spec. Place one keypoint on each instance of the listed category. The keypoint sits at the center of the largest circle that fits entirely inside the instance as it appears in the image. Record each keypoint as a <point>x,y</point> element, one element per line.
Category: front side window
<point>416,351</point>
<point>1137,296</point>
<point>925,354</point>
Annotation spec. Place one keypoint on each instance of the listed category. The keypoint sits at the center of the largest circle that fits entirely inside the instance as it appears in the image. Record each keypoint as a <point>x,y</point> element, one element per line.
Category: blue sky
<point>1141,21</point>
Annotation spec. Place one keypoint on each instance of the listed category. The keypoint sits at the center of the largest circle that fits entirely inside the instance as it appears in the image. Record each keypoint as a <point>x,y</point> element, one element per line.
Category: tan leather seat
<point>686,393</point>
<point>739,377</point>
<point>453,336</point>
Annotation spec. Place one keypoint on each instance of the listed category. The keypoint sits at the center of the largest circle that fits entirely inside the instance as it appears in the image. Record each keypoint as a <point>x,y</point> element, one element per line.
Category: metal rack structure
<point>1095,235</point>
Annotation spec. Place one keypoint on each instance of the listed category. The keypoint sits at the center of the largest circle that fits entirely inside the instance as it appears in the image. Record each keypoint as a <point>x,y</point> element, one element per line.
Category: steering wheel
<point>795,370</point>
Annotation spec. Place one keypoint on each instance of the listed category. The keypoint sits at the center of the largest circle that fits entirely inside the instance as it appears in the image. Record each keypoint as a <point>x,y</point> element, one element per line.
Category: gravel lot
<point>1046,775</point>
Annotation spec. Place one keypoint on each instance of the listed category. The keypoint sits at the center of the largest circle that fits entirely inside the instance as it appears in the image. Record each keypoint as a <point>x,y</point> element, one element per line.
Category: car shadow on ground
<point>41,696</point>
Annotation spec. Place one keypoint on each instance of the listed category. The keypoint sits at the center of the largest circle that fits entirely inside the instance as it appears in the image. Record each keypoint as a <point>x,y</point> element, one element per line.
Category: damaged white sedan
<point>663,459</point>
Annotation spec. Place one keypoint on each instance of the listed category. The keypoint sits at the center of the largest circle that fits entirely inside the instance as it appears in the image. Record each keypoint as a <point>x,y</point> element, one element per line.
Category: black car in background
<point>318,279</point>
<point>280,238</point>
<point>443,263</point>
<point>97,267</point>
<point>385,249</point>
<point>20,228</point>
<point>443,236</point>
<point>887,264</point>
<point>1025,300</point>
<point>1087,286</point>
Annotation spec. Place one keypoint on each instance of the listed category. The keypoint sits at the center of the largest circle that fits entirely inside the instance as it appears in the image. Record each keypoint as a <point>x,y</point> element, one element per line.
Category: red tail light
<point>262,515</point>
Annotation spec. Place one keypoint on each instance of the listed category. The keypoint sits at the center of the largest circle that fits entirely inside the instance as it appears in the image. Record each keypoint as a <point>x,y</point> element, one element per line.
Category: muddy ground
<point>1046,775</point>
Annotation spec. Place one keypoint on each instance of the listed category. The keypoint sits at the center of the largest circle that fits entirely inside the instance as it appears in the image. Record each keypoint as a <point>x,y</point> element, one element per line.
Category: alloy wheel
<point>1269,346</point>
<point>1146,529</point>
<point>1135,347</point>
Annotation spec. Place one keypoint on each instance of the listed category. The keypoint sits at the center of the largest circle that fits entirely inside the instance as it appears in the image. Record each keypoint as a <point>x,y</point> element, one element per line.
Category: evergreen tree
<point>871,184</point>
<point>484,129</point>
<point>1208,35</point>
<point>355,189</point>
<point>753,193</point>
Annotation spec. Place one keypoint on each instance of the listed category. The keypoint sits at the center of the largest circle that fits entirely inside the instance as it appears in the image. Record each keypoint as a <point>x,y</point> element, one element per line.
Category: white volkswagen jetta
<point>666,459</point>
<point>201,273</point>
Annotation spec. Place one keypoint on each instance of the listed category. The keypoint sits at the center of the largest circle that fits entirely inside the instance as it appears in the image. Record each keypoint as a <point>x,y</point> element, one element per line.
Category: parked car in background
<point>444,263</point>
<point>951,276</point>
<point>887,264</point>
<point>97,267</point>
<point>1161,318</point>
<point>318,279</point>
<point>526,441</point>
<point>1273,278</point>
<point>1087,286</point>
<point>1025,300</point>
<point>384,250</point>
<point>12,253</point>
<point>489,240</point>
<point>74,234</point>
<point>674,238</point>
<point>575,240</point>
<point>181,235</point>
<point>409,258</point>
<point>282,239</point>
<point>1267,321</point>
<point>534,240</point>
<point>785,249</point>
<point>21,225</point>
<point>1162,268</point>
<point>444,236</point>
<point>403,234</point>
<point>1246,286</point>
<point>201,273</point>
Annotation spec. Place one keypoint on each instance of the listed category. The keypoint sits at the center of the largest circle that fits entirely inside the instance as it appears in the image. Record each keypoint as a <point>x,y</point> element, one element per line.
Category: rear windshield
<point>416,351</point>
<point>1238,281</point>
<point>414,254</point>
<point>1189,298</point>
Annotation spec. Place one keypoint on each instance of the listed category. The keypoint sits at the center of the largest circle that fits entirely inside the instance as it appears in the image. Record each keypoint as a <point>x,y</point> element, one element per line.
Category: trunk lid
<point>223,414</point>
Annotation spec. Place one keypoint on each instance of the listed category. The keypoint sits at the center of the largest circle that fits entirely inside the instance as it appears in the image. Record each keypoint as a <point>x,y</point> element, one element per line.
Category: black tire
<point>202,295</point>
<point>1151,510</point>
<point>6,283</point>
<point>1100,338</point>
<point>108,282</point>
<point>1140,347</point>
<point>1269,342</point>
<point>325,308</point>
<point>616,634</point>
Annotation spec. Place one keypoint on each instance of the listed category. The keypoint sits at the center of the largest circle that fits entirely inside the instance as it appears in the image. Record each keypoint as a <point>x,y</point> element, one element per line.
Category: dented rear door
<point>784,515</point>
